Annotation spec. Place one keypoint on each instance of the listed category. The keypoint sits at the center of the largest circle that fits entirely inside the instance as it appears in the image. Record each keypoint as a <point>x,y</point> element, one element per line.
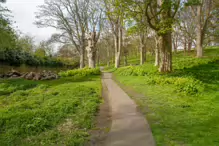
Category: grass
<point>182,107</point>
<point>80,72</point>
<point>58,112</point>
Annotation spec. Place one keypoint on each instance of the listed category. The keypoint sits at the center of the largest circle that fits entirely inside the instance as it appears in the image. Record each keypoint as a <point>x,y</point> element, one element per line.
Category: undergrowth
<point>56,112</point>
<point>182,106</point>
<point>190,76</point>
<point>80,72</point>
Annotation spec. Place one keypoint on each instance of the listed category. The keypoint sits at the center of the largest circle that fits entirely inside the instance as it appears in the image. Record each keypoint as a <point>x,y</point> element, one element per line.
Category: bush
<point>186,85</point>
<point>17,57</point>
<point>80,72</point>
<point>143,70</point>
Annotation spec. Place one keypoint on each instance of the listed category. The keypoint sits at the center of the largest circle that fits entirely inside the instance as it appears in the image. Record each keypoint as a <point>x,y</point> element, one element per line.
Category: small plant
<point>80,72</point>
<point>143,70</point>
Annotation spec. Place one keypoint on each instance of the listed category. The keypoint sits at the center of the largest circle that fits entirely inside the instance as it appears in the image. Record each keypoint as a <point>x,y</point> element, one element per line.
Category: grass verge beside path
<point>177,119</point>
<point>58,112</point>
<point>182,107</point>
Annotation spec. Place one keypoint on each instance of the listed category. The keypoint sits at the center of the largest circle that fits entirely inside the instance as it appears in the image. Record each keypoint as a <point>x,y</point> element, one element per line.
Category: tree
<point>48,47</point>
<point>7,34</point>
<point>106,45</point>
<point>91,49</point>
<point>115,15</point>
<point>67,52</point>
<point>26,43</point>
<point>40,52</point>
<point>70,17</point>
<point>186,28</point>
<point>135,10</point>
<point>202,11</point>
<point>95,22</point>
<point>160,16</point>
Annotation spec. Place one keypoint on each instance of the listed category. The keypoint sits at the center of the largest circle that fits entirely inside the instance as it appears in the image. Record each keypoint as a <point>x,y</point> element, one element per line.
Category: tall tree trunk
<point>117,55</point>
<point>108,57</point>
<point>185,46</point>
<point>199,33</point>
<point>92,60</point>
<point>125,51</point>
<point>142,49</point>
<point>91,49</point>
<point>166,53</point>
<point>157,51</point>
<point>98,57</point>
<point>91,54</point>
<point>117,59</point>
<point>175,45</point>
<point>189,46</point>
<point>118,47</point>
<point>125,60</point>
<point>82,54</point>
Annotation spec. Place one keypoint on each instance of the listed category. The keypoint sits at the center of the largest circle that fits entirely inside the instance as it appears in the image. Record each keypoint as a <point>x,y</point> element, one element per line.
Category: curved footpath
<point>129,127</point>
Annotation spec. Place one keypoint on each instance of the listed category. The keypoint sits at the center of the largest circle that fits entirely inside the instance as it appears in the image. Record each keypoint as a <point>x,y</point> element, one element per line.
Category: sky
<point>23,12</point>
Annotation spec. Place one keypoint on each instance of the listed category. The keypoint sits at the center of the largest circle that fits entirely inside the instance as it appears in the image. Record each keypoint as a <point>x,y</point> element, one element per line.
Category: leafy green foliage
<point>190,76</point>
<point>81,72</point>
<point>18,57</point>
<point>185,85</point>
<point>50,112</point>
<point>7,35</point>
<point>41,53</point>
<point>192,3</point>
<point>137,70</point>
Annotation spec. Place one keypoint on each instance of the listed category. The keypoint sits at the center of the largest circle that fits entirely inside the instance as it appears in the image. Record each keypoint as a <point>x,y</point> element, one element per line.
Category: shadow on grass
<point>207,73</point>
<point>8,86</point>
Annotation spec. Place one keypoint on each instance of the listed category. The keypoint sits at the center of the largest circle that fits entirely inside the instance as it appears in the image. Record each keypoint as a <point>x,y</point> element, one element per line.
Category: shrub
<point>187,85</point>
<point>143,70</point>
<point>80,72</point>
<point>17,57</point>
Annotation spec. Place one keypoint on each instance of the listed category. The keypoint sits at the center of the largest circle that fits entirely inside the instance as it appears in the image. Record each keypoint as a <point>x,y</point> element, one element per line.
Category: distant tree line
<point>98,31</point>
<point>113,30</point>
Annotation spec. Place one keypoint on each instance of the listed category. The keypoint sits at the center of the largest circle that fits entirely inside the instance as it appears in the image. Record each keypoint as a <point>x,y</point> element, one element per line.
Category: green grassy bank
<point>59,112</point>
<point>182,107</point>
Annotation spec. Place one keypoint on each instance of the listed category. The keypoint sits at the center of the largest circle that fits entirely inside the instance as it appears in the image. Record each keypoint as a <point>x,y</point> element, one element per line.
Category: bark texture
<point>91,49</point>
<point>166,53</point>
<point>142,49</point>
<point>118,45</point>
<point>82,54</point>
<point>185,46</point>
<point>157,51</point>
<point>199,33</point>
<point>189,46</point>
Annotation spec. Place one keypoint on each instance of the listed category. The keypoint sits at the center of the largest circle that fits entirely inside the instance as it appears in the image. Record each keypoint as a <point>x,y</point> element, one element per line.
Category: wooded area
<point>109,31</point>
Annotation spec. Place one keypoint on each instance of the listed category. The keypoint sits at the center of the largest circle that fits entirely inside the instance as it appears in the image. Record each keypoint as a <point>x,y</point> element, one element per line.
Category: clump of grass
<point>186,85</point>
<point>144,70</point>
<point>109,69</point>
<point>80,72</point>
<point>7,87</point>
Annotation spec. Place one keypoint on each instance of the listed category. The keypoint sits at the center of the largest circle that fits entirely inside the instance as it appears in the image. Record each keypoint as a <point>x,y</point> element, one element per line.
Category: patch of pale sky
<point>23,12</point>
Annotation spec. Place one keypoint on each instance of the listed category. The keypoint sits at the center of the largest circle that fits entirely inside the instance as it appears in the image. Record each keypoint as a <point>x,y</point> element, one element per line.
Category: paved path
<point>129,127</point>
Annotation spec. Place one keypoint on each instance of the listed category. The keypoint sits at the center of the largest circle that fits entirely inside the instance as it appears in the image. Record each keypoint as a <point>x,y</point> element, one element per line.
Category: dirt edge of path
<point>103,121</point>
